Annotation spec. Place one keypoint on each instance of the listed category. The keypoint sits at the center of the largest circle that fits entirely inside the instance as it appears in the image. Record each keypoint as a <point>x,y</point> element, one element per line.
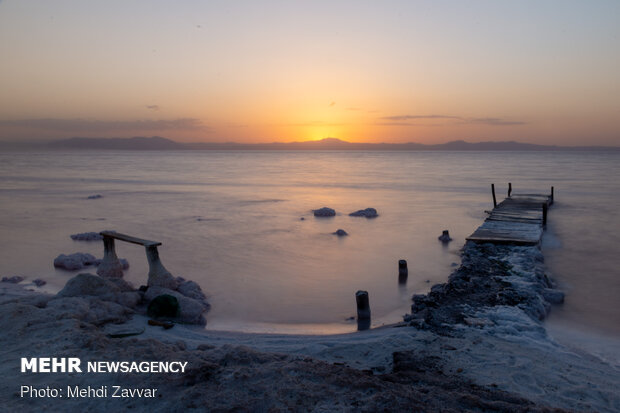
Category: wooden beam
<point>129,238</point>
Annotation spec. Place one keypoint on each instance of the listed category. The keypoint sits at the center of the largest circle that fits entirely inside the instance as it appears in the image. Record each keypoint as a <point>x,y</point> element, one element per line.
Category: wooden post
<point>403,272</point>
<point>363,305</point>
<point>110,265</point>
<point>363,310</point>
<point>493,192</point>
<point>552,195</point>
<point>544,207</point>
<point>158,274</point>
<point>509,189</point>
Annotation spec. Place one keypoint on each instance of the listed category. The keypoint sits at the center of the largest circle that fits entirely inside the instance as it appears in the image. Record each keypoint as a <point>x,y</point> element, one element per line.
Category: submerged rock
<point>96,196</point>
<point>74,261</point>
<point>39,282</point>
<point>368,213</point>
<point>16,279</point>
<point>324,212</point>
<point>444,237</point>
<point>340,233</point>
<point>80,260</point>
<point>87,236</point>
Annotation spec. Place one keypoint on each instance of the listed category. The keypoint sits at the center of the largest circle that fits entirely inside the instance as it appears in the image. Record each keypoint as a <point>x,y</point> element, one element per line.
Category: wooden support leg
<point>158,274</point>
<point>494,199</point>
<point>110,265</point>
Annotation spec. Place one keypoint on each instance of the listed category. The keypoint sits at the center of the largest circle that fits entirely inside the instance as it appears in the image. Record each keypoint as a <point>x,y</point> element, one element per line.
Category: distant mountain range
<point>159,143</point>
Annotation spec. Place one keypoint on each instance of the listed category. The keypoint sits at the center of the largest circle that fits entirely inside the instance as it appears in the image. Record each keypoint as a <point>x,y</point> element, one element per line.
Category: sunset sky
<point>363,71</point>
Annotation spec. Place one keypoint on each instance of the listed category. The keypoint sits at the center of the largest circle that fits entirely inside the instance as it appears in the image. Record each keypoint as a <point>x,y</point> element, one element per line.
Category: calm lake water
<point>232,221</point>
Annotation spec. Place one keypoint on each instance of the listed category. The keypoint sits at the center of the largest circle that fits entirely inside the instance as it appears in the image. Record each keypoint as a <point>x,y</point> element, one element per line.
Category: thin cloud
<point>104,126</point>
<point>496,121</point>
<point>316,123</point>
<point>332,104</point>
<point>414,117</point>
<point>402,120</point>
<point>152,107</point>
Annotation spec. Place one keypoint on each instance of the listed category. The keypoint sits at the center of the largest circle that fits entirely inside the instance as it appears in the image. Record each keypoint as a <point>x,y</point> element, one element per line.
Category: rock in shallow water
<point>16,279</point>
<point>368,213</point>
<point>80,260</point>
<point>324,212</point>
<point>445,236</point>
<point>74,261</point>
<point>340,233</point>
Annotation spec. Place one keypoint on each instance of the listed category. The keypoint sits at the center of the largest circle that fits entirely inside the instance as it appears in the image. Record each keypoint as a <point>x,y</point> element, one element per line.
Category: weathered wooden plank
<point>517,220</point>
<point>129,238</point>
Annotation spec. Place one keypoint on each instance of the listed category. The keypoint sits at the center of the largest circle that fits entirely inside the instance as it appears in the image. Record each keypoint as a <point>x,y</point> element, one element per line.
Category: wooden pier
<point>518,220</point>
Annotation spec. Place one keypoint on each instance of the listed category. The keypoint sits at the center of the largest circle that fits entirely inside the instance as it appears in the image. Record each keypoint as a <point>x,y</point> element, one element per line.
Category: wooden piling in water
<point>363,310</point>
<point>403,272</point>
<point>551,197</point>
<point>509,189</point>
<point>544,214</point>
<point>493,192</point>
<point>363,305</point>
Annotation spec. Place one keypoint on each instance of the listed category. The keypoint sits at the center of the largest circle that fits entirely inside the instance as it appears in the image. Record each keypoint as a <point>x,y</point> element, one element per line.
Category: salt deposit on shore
<point>474,343</point>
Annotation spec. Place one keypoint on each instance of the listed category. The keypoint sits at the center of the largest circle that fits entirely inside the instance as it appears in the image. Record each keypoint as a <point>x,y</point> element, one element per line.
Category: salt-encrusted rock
<point>123,261</point>
<point>190,310</point>
<point>96,196</point>
<point>324,212</point>
<point>163,279</point>
<point>340,233</point>
<point>553,296</point>
<point>107,289</point>
<point>368,213</point>
<point>88,284</point>
<point>90,309</point>
<point>16,279</point>
<point>74,262</point>
<point>87,236</point>
<point>39,282</point>
<point>445,236</point>
<point>163,306</point>
<point>190,289</point>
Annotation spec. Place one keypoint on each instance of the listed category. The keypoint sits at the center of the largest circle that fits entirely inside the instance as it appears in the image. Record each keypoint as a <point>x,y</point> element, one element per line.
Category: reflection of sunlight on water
<point>232,222</point>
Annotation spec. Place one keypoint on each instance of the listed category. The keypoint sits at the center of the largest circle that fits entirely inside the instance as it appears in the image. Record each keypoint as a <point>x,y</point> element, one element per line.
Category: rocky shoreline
<point>474,343</point>
<point>491,279</point>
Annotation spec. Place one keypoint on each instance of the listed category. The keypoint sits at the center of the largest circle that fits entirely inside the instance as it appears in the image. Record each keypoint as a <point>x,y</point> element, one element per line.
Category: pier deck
<point>517,220</point>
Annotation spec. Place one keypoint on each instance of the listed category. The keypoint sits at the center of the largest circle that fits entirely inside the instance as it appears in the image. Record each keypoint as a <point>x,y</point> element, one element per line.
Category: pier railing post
<point>509,189</point>
<point>110,265</point>
<point>493,192</point>
<point>158,274</point>
<point>551,195</point>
